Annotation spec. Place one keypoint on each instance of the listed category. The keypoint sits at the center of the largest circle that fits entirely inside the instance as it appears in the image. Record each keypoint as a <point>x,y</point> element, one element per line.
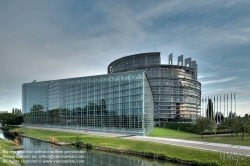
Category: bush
<point>53,140</point>
<point>161,156</point>
<point>148,154</point>
<point>78,142</point>
<point>88,146</point>
<point>188,127</point>
<point>174,159</point>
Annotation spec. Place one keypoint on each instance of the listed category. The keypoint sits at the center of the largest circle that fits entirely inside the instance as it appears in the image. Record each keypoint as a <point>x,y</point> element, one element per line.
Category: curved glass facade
<point>117,103</point>
<point>176,91</point>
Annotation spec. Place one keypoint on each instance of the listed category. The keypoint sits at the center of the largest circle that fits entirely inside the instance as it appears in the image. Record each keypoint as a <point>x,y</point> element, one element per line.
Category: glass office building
<point>176,91</point>
<point>116,103</point>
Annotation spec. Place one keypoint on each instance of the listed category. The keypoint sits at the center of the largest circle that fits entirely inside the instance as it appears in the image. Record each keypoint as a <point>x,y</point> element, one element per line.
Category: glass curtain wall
<point>117,103</point>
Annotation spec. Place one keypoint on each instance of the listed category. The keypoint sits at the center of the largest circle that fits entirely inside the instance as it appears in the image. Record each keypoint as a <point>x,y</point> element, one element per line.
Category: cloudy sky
<point>46,40</point>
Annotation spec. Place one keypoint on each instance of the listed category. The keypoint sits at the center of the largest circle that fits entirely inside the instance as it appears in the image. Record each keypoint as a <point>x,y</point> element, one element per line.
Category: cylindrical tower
<point>176,91</point>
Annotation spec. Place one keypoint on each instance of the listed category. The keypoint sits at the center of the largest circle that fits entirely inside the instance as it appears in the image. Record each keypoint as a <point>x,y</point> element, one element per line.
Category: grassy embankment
<point>226,139</point>
<point>172,152</point>
<point>5,147</point>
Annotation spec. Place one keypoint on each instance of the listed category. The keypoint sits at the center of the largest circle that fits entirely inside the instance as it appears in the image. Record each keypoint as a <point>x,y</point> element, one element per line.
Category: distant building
<point>2,112</point>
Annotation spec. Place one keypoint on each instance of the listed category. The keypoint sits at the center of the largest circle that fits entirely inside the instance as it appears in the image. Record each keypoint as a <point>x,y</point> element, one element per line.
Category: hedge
<point>187,127</point>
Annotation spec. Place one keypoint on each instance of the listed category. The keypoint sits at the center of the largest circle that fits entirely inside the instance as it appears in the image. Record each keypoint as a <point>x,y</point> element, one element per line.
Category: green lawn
<point>134,145</point>
<point>168,133</point>
<point>164,132</point>
<point>6,146</point>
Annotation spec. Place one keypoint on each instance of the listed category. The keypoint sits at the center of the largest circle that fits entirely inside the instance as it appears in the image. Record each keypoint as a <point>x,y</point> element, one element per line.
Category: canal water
<point>38,153</point>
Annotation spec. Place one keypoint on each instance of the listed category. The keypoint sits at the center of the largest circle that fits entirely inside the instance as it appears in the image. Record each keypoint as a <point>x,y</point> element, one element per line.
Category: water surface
<point>38,153</point>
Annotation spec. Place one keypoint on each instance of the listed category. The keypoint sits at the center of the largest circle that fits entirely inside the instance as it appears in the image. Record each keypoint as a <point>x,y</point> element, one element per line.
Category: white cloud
<point>218,81</point>
<point>206,75</point>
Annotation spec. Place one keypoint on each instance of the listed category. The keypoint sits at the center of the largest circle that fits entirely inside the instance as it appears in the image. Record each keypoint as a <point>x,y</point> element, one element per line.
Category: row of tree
<point>14,118</point>
<point>237,125</point>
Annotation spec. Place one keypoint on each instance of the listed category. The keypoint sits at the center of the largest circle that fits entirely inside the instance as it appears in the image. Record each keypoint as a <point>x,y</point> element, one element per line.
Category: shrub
<point>148,154</point>
<point>78,142</point>
<point>88,146</point>
<point>161,156</point>
<point>53,140</point>
<point>174,159</point>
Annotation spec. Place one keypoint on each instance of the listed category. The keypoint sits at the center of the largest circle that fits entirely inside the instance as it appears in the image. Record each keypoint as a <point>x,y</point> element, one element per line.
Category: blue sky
<point>46,40</point>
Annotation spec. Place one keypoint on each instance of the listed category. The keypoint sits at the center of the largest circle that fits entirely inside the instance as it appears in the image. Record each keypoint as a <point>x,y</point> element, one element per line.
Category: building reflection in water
<point>90,157</point>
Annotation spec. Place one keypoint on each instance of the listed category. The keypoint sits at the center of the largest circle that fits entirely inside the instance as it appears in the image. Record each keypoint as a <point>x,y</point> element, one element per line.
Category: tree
<point>247,116</point>
<point>11,119</point>
<point>219,117</point>
<point>202,124</point>
<point>229,124</point>
<point>232,115</point>
<point>243,126</point>
<point>18,120</point>
<point>210,111</point>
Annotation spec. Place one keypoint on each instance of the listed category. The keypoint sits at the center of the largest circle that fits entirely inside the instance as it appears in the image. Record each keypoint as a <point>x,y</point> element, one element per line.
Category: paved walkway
<point>226,148</point>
